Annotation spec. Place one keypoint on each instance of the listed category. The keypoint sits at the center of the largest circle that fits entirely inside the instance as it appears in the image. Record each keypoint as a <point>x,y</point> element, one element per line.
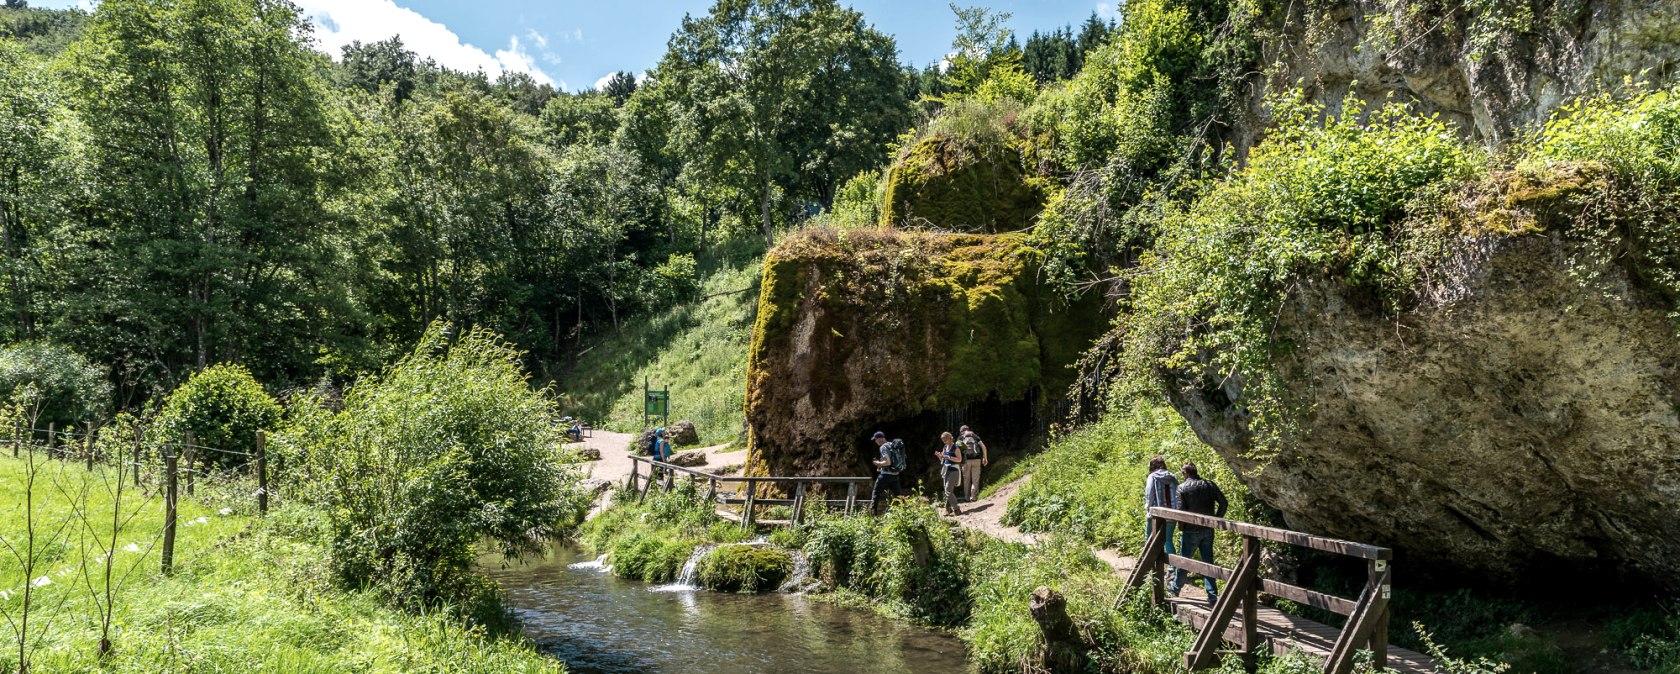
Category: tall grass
<point>698,349</point>
<point>247,594</point>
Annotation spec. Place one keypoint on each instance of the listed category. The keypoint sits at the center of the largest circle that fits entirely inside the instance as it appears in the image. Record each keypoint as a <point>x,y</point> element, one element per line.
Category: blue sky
<point>575,43</point>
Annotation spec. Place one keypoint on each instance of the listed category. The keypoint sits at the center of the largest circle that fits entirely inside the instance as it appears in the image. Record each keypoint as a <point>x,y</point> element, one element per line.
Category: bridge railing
<point>1367,625</point>
<point>750,502</point>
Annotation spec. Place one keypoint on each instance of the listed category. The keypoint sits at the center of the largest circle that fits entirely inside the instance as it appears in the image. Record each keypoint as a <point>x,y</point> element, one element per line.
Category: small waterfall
<point>800,580</point>
<point>686,578</point>
<point>599,564</point>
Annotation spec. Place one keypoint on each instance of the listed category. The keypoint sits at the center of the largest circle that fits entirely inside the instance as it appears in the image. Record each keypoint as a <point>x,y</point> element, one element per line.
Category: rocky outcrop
<point>866,329</point>
<point>950,184</point>
<point>1518,421</point>
<point>1494,70</point>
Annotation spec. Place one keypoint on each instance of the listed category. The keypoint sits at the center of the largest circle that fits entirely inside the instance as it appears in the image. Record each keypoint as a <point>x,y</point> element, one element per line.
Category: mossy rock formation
<point>1516,422</point>
<point>860,329</point>
<point>945,183</point>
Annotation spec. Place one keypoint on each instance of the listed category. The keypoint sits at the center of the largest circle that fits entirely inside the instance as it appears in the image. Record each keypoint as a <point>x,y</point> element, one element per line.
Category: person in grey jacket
<point>1160,490</point>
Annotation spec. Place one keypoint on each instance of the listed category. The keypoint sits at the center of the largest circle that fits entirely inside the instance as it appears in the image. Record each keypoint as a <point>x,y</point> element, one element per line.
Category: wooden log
<point>1066,648</point>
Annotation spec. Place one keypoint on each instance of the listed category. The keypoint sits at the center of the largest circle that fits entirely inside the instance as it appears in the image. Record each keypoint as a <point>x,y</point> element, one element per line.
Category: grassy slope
<point>699,349</point>
<point>247,595</point>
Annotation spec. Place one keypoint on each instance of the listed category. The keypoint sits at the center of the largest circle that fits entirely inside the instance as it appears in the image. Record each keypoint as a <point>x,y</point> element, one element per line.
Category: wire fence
<point>83,518</point>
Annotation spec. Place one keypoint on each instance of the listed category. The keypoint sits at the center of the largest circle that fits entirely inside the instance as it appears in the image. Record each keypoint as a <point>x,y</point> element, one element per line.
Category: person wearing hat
<point>889,464</point>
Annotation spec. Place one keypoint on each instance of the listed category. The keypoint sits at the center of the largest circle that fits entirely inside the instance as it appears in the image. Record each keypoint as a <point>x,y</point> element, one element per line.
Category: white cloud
<point>340,22</point>
<point>602,83</point>
<point>1108,11</point>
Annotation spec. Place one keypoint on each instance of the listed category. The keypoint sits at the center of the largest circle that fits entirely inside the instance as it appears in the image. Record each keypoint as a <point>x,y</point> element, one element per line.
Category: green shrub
<point>909,558</point>
<point>651,540</point>
<point>1319,197</point>
<point>744,568</point>
<point>444,449</point>
<point>221,406</point>
<point>1648,638</point>
<point>652,557</point>
<point>55,383</point>
<point>1089,484</point>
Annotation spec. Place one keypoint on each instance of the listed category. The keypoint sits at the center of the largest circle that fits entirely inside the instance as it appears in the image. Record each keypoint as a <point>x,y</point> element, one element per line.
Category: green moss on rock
<point>857,327</point>
<point>945,183</point>
<point>744,568</point>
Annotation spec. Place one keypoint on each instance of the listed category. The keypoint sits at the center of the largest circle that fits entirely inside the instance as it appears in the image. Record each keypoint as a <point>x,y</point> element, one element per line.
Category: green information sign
<point>658,403</point>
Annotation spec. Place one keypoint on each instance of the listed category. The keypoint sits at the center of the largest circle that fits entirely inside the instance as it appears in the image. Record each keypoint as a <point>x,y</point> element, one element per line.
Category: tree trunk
<point>1065,648</point>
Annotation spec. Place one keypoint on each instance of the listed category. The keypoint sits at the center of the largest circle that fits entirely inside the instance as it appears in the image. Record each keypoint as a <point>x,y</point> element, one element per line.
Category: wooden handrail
<point>1319,543</point>
<point>728,478</point>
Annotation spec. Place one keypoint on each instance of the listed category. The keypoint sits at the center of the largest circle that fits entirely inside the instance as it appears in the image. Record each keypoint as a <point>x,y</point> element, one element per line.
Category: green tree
<point>222,407</point>
<point>29,150</point>
<point>445,449</point>
<point>206,123</point>
<point>744,81</point>
<point>620,87</point>
<point>53,383</point>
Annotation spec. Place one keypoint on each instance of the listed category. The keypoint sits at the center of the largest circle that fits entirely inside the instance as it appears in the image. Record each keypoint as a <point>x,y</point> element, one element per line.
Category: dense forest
<point>188,183</point>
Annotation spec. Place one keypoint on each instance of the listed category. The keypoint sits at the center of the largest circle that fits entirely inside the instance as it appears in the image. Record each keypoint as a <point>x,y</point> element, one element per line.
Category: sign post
<point>656,404</point>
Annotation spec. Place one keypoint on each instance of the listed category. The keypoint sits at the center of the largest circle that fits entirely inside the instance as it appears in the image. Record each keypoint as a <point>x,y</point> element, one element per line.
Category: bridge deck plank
<point>1284,633</point>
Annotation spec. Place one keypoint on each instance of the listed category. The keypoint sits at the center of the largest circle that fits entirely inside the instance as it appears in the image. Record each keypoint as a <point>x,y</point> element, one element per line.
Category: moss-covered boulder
<point>946,183</point>
<point>744,568</point>
<point>868,329</point>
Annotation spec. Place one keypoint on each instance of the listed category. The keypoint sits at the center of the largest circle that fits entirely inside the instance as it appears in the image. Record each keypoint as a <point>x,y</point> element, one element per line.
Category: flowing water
<point>573,608</point>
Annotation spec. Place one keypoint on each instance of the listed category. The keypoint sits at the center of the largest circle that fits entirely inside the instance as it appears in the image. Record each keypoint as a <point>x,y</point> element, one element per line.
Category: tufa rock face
<point>860,329</point>
<point>1492,75</point>
<point>1522,422</point>
<point>944,183</point>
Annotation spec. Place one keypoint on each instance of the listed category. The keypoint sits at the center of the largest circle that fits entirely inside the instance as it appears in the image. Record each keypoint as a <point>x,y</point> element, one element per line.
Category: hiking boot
<point>1213,599</point>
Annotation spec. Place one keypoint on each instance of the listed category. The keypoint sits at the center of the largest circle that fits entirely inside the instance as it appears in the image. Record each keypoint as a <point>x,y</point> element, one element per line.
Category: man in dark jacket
<point>1202,497</point>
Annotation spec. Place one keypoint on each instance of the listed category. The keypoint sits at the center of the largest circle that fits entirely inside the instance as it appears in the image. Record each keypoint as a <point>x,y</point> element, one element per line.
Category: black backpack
<point>653,446</point>
<point>895,454</point>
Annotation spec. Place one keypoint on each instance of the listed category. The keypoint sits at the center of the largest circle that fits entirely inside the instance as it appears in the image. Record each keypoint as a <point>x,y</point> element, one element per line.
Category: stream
<point>597,623</point>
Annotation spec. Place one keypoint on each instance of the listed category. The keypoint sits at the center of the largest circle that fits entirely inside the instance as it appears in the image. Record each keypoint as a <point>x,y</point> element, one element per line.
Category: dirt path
<point>986,516</point>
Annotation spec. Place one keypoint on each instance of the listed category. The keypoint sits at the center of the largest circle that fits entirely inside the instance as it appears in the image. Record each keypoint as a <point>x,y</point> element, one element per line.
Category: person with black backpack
<point>890,464</point>
<point>974,457</point>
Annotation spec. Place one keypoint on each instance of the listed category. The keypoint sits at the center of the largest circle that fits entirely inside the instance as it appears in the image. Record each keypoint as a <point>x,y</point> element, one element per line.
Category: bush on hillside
<point>446,448</point>
<point>1319,197</point>
<point>221,406</point>
<point>909,558</point>
<point>53,383</point>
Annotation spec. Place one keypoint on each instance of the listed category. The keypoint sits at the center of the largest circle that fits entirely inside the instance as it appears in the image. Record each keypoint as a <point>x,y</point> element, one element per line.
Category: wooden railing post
<point>711,489</point>
<point>1203,654</point>
<point>798,502</point>
<point>634,466</point>
<point>670,478</point>
<point>1250,608</point>
<point>646,484</point>
<point>1361,626</point>
<point>1149,565</point>
<point>851,497</point>
<point>747,513</point>
<point>1380,574</point>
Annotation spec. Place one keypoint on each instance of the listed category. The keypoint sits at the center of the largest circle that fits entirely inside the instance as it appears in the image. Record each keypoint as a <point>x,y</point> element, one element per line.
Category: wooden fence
<point>747,489</point>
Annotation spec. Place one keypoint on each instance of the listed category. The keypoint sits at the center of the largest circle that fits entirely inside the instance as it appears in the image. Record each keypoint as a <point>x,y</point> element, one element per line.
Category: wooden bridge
<point>1238,618</point>
<point>743,492</point>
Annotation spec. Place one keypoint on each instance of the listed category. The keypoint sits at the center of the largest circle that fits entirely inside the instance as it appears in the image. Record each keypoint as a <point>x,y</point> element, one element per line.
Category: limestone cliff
<point>1494,68</point>
<point>866,329</point>
<point>1515,419</point>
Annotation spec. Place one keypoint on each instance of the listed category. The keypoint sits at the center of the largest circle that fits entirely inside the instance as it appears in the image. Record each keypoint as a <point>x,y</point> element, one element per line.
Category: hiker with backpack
<point>950,471</point>
<point>659,448</point>
<point>974,457</point>
<point>890,463</point>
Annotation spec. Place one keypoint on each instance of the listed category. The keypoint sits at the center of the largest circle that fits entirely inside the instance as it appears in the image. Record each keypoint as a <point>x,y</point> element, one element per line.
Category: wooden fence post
<point>191,455</point>
<point>52,434</point>
<point>138,433</point>
<point>851,497</point>
<point>798,503</point>
<point>1250,609</point>
<point>1381,574</point>
<point>169,497</point>
<point>711,490</point>
<point>634,465</point>
<point>262,473</point>
<point>17,440</point>
<point>87,445</point>
<point>747,514</point>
